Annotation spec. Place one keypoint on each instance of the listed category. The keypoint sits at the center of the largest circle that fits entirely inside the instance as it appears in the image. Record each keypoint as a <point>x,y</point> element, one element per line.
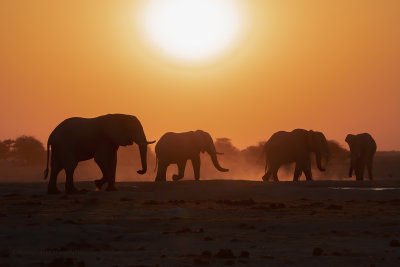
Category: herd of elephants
<point>78,139</point>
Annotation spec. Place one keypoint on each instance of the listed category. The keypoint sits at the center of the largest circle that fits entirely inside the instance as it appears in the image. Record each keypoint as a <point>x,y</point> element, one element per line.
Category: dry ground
<point>240,223</point>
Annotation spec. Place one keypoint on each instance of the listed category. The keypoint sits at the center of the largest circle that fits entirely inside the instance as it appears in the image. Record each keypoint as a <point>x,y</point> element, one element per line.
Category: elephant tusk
<point>146,143</point>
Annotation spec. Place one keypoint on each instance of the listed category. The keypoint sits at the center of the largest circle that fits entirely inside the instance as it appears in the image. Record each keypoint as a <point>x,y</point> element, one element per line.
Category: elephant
<point>77,139</point>
<point>362,151</point>
<point>177,148</point>
<point>295,146</point>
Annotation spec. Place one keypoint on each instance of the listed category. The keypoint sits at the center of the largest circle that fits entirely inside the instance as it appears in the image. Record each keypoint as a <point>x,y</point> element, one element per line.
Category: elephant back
<point>175,144</point>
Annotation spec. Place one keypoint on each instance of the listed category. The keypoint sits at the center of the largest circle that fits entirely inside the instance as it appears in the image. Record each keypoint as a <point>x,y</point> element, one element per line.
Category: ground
<point>186,223</point>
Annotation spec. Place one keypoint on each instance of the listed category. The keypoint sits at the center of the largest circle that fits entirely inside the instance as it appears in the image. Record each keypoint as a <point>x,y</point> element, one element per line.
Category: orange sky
<point>333,67</point>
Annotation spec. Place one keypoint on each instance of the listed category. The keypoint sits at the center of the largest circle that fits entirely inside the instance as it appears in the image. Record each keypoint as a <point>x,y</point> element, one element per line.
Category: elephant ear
<point>311,140</point>
<point>350,139</point>
<point>201,140</point>
<point>354,145</point>
<point>115,128</point>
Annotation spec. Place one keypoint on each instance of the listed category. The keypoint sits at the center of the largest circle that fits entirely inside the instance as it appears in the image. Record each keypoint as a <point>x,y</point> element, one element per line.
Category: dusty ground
<point>187,223</point>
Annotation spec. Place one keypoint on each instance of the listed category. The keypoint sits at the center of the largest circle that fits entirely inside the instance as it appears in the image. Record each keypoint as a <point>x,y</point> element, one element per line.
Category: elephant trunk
<point>143,157</point>
<point>216,163</point>
<point>319,165</point>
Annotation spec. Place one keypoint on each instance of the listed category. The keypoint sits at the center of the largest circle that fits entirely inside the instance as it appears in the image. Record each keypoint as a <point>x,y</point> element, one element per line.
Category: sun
<point>191,30</point>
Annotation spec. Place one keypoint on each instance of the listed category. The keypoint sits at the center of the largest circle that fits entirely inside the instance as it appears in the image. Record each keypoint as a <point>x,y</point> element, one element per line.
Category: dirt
<point>214,223</point>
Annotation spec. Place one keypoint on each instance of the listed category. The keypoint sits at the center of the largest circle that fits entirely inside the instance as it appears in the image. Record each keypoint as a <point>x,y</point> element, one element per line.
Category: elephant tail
<point>46,171</point>
<point>155,168</point>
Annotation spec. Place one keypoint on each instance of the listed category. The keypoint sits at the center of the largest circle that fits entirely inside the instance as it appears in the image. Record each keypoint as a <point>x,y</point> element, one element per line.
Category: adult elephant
<point>362,151</point>
<point>79,139</point>
<point>295,146</point>
<point>177,148</point>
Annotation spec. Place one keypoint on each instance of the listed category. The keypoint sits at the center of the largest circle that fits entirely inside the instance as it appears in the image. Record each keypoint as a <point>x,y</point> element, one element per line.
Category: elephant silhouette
<point>78,139</point>
<point>178,148</point>
<point>295,146</point>
<point>362,152</point>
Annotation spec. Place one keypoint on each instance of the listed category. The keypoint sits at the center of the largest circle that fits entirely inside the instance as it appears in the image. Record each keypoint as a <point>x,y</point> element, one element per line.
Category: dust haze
<point>23,160</point>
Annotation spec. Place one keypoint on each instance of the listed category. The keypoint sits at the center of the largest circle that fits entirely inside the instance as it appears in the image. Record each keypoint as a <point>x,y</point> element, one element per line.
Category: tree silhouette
<point>225,144</point>
<point>28,149</point>
<point>4,150</point>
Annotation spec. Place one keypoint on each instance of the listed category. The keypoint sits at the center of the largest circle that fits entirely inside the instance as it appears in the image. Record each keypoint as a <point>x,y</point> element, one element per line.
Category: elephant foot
<point>111,188</point>
<point>176,177</point>
<point>99,183</point>
<point>53,191</point>
<point>267,177</point>
<point>160,180</point>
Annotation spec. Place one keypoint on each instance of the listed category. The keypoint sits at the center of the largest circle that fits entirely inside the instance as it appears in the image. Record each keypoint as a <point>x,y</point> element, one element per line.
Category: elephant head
<point>123,130</point>
<point>205,144</point>
<point>355,152</point>
<point>318,144</point>
<point>362,150</point>
<point>351,141</point>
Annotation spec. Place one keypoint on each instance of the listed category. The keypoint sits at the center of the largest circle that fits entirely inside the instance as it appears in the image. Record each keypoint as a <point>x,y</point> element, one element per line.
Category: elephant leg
<point>351,170</point>
<point>360,172</point>
<point>308,174</point>
<point>297,172</point>
<point>369,168</point>
<point>100,182</point>
<point>196,167</point>
<point>162,171</point>
<point>69,183</point>
<point>362,168</point>
<point>307,170</point>
<point>359,169</point>
<point>181,171</point>
<point>55,170</point>
<point>274,172</point>
<point>106,158</point>
<point>356,168</point>
<point>267,175</point>
<point>112,172</point>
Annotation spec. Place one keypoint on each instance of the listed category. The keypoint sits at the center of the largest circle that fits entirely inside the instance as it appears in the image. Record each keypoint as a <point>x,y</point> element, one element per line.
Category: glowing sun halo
<point>191,30</point>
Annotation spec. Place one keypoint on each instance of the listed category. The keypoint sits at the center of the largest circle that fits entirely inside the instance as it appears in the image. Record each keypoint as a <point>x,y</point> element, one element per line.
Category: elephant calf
<point>295,146</point>
<point>362,151</point>
<point>79,139</point>
<point>177,148</point>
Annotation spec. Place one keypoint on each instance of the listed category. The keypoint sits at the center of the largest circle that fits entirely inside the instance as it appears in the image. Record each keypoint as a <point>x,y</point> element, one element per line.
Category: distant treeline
<point>24,150</point>
<point>24,159</point>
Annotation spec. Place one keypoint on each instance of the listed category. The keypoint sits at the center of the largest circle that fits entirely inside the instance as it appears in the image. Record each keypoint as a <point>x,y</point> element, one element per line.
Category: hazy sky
<point>332,66</point>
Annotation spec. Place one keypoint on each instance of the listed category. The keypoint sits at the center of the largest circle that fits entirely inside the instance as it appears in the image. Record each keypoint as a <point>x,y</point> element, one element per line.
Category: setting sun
<point>191,30</point>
